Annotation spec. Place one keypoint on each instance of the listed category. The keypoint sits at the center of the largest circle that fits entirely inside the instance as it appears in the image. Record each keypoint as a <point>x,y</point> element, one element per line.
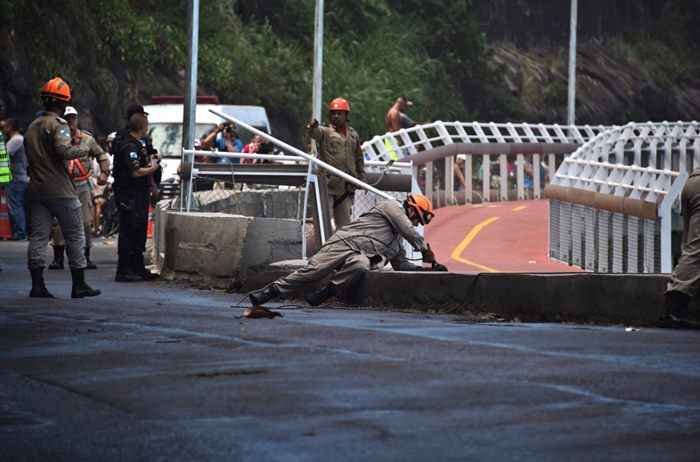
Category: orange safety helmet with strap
<point>339,104</point>
<point>56,88</point>
<point>422,206</point>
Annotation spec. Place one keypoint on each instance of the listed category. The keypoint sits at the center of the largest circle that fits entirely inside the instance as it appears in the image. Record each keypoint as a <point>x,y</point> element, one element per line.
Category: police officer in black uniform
<point>134,168</point>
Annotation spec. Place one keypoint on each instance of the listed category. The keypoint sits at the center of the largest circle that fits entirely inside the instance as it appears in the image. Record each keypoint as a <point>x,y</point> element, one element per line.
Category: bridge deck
<point>495,237</point>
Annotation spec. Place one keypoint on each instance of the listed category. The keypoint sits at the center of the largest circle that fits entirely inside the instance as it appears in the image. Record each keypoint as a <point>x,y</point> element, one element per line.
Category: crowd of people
<point>58,180</point>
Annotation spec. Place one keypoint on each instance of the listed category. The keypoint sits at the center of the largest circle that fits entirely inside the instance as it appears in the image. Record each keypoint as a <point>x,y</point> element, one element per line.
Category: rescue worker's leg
<point>68,213</point>
<point>685,279</point>
<point>86,212</point>
<point>40,221</point>
<point>126,243</point>
<point>58,246</point>
<point>353,270</point>
<point>321,265</point>
<point>342,209</point>
<point>140,237</point>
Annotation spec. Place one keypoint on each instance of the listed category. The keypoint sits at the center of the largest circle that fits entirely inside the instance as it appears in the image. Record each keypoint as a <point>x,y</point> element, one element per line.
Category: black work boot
<point>264,295</point>
<point>90,264</point>
<point>125,270</point>
<point>57,263</point>
<point>676,311</point>
<point>320,296</point>
<point>140,268</point>
<point>80,287</point>
<point>39,289</point>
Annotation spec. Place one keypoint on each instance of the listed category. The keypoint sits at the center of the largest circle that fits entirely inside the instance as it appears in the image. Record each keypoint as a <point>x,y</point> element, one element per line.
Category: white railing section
<point>613,199</point>
<point>482,178</point>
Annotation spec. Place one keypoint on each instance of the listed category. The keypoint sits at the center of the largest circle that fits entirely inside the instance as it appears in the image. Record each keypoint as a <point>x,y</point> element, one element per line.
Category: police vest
<point>5,172</point>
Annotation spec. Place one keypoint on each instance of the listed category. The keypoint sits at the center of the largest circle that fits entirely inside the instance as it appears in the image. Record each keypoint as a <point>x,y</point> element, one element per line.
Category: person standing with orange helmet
<point>79,171</point>
<point>339,146</point>
<point>369,242</point>
<point>51,192</point>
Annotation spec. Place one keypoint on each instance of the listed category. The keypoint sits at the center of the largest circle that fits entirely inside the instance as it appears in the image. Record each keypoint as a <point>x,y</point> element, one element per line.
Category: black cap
<point>134,109</point>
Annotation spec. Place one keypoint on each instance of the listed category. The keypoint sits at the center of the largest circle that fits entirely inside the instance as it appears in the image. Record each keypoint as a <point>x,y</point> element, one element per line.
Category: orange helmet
<point>422,206</point>
<point>56,88</point>
<point>339,104</point>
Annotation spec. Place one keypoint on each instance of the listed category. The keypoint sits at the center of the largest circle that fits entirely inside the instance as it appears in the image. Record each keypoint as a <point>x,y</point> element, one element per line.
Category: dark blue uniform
<point>133,198</point>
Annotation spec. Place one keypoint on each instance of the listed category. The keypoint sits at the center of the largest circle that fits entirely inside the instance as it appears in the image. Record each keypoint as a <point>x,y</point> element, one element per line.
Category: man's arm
<point>397,217</point>
<point>315,130</point>
<point>394,120</point>
<point>101,157</point>
<point>208,141</point>
<point>359,161</point>
<point>64,148</point>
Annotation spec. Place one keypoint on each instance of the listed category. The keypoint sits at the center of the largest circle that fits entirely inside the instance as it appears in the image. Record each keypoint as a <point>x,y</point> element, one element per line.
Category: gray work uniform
<point>51,193</point>
<point>368,242</point>
<point>686,275</point>
<point>343,152</point>
<point>84,190</point>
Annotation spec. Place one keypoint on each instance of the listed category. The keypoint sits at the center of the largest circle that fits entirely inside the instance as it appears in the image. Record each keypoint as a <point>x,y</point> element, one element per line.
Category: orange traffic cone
<point>5,227</point>
<point>151,216</point>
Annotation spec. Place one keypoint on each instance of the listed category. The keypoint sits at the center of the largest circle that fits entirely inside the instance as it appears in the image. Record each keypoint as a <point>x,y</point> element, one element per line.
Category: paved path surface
<point>498,237</point>
<point>150,372</point>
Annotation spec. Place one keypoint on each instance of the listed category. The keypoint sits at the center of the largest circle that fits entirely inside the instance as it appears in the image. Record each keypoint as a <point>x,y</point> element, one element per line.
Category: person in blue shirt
<point>225,139</point>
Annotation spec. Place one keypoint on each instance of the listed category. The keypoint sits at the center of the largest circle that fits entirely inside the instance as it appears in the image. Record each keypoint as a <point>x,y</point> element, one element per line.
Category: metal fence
<point>469,177</point>
<point>613,199</point>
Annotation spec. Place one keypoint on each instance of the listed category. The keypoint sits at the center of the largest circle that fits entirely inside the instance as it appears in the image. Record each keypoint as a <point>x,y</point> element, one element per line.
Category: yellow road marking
<point>519,208</point>
<point>457,252</point>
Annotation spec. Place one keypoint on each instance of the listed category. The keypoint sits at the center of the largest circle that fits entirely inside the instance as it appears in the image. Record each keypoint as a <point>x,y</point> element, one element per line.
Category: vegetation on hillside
<point>436,52</point>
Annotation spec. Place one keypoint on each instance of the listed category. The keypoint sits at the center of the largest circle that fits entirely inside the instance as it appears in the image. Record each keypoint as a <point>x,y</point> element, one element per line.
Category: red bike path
<point>495,237</point>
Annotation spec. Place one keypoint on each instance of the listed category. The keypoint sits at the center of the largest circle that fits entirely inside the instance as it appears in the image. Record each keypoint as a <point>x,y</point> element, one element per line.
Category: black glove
<point>428,255</point>
<point>438,267</point>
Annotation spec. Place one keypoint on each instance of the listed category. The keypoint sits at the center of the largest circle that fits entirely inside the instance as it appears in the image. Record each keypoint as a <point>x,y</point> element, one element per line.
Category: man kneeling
<point>356,248</point>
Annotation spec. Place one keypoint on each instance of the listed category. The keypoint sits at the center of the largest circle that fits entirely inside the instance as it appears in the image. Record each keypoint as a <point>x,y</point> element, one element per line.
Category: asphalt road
<point>152,371</point>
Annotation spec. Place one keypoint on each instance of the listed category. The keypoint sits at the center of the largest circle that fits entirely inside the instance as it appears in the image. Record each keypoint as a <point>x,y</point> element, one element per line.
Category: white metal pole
<point>298,152</point>
<point>318,62</point>
<point>571,118</point>
<point>188,116</point>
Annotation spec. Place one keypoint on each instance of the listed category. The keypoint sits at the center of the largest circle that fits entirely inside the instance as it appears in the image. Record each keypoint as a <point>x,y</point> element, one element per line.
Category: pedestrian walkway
<point>493,238</point>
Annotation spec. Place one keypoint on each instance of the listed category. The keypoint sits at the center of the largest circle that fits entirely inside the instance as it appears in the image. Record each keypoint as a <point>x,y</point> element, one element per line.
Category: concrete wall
<point>221,250</point>
<point>252,203</point>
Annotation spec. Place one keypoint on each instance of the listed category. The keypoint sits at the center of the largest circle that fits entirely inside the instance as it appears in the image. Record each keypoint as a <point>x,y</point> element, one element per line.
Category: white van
<point>165,128</point>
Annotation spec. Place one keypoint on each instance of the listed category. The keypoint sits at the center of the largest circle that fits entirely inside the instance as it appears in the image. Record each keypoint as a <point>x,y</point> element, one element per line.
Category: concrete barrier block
<point>206,243</point>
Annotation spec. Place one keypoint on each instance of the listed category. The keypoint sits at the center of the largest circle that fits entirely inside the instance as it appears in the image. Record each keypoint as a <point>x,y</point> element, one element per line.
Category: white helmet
<point>70,110</point>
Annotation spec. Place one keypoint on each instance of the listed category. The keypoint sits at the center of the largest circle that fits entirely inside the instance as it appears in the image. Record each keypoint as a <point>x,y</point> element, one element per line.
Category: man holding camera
<point>135,166</point>
<point>225,139</point>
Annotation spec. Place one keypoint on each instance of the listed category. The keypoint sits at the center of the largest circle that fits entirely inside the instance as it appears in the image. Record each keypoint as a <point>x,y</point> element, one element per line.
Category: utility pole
<point>571,118</point>
<point>318,62</point>
<point>190,106</point>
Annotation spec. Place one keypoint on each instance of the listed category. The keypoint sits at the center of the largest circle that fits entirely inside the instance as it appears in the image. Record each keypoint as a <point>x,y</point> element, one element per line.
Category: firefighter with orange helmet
<point>80,171</point>
<point>339,145</point>
<point>369,242</point>
<point>51,193</point>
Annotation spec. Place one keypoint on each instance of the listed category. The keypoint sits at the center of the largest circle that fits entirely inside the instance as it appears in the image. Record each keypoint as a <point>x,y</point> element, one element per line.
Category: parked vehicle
<point>165,128</point>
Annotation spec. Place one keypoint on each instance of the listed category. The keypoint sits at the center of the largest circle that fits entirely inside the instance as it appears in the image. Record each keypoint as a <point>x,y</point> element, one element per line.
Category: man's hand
<point>102,179</point>
<point>312,124</point>
<point>428,255</point>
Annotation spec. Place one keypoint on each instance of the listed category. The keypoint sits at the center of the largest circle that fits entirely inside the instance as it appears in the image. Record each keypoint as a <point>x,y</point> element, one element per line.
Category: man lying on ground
<point>367,243</point>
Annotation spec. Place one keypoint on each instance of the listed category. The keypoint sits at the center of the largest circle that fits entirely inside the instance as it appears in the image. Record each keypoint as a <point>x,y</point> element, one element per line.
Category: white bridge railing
<point>480,175</point>
<point>612,200</point>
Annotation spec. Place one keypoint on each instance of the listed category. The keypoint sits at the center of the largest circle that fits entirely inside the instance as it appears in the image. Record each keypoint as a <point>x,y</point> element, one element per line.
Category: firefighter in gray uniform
<point>685,279</point>
<point>353,250</point>
<point>51,193</point>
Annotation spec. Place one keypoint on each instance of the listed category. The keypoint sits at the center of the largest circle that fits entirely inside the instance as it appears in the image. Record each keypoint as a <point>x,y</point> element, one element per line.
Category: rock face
<point>613,85</point>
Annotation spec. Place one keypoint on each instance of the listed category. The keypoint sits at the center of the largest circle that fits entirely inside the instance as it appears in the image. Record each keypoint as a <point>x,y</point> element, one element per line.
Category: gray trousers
<point>350,266</point>
<point>686,275</point>
<point>68,214</point>
<point>85,198</point>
